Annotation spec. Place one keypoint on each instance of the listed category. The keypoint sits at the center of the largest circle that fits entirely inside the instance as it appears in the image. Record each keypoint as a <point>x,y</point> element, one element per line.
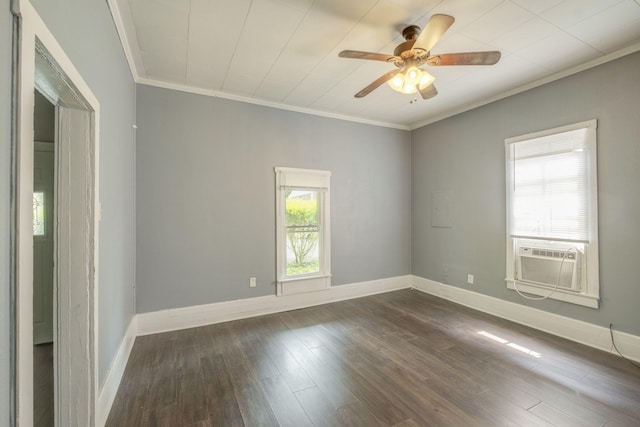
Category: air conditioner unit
<point>541,266</point>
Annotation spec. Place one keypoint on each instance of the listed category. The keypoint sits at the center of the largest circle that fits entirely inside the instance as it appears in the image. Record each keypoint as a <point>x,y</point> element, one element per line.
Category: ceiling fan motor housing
<point>411,32</point>
<point>404,49</point>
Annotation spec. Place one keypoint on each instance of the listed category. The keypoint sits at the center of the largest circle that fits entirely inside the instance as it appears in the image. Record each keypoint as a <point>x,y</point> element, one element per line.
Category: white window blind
<point>304,179</point>
<point>549,185</point>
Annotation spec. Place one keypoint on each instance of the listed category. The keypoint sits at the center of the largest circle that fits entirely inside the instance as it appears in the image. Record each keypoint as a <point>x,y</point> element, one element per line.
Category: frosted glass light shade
<point>410,79</point>
<point>397,81</point>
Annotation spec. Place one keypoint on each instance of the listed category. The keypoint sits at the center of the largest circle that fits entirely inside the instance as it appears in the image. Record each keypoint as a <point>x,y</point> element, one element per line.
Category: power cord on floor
<point>618,351</point>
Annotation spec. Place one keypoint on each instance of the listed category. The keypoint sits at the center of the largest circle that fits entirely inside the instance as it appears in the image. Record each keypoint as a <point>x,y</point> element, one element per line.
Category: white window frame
<point>303,179</point>
<point>589,293</point>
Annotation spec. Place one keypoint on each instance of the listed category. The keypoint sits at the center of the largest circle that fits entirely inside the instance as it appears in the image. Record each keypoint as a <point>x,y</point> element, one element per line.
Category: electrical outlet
<point>252,282</point>
<point>470,279</point>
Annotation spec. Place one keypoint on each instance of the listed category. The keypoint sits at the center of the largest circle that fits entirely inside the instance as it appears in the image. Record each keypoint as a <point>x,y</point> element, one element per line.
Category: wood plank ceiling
<point>285,52</point>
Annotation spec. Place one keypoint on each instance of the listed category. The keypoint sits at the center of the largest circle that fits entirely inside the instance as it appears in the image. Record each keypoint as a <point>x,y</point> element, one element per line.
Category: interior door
<point>43,210</point>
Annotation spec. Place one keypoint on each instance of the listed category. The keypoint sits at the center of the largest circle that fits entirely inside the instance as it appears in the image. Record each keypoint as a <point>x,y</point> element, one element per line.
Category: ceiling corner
<point>123,21</point>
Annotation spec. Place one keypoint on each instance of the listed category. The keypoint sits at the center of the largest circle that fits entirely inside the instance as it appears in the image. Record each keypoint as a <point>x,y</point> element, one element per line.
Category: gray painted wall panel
<point>86,32</point>
<point>206,198</point>
<point>465,154</point>
<point>5,178</point>
<point>44,113</point>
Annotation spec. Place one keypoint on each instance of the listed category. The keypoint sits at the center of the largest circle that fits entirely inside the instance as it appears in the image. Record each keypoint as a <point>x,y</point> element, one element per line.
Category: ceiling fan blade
<point>429,91</point>
<point>465,58</point>
<point>376,84</point>
<point>356,54</point>
<point>435,28</point>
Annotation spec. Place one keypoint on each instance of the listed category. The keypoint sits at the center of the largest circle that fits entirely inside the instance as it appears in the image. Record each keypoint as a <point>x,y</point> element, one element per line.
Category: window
<point>303,231</point>
<point>552,226</point>
<point>38,214</point>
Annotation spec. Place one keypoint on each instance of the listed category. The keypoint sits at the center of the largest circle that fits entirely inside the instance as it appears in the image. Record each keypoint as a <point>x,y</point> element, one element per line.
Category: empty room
<point>320,213</point>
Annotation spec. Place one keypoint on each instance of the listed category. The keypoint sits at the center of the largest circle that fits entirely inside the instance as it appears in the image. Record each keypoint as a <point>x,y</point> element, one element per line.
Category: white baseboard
<point>207,314</point>
<point>114,375</point>
<point>565,327</point>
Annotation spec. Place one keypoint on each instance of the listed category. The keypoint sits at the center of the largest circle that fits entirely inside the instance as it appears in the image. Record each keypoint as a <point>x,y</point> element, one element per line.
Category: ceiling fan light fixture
<point>397,82</point>
<point>413,75</point>
<point>409,88</point>
<point>409,81</point>
<point>425,80</point>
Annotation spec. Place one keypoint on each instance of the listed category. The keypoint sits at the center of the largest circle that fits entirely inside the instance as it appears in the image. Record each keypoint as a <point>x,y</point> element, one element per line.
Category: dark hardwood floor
<point>43,385</point>
<point>397,359</point>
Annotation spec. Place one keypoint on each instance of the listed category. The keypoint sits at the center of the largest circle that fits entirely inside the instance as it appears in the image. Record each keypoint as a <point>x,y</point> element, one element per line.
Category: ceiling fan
<point>409,55</point>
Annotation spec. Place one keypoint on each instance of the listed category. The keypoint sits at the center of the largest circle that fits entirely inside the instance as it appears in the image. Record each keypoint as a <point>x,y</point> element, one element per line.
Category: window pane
<point>302,226</point>
<point>38,213</point>
<point>550,192</point>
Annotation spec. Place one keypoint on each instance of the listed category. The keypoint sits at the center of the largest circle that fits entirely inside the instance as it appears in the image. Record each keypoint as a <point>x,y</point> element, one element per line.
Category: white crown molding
<point>128,37</point>
<point>557,76</point>
<point>207,314</point>
<point>263,103</point>
<point>114,375</point>
<point>565,327</point>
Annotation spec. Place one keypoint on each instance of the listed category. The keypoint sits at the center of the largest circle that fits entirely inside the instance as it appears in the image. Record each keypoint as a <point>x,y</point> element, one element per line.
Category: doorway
<point>44,67</point>
<point>44,303</point>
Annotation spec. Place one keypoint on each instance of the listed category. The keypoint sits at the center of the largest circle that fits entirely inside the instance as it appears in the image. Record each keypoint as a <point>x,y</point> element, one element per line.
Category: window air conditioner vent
<point>551,253</point>
<point>542,266</point>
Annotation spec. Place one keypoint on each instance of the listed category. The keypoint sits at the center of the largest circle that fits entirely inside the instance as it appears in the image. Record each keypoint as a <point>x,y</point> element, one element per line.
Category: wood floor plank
<point>416,402</point>
<point>407,423</point>
<point>218,339</point>
<point>239,369</point>
<point>129,407</point>
<point>254,406</point>
<point>515,381</point>
<point>555,416</point>
<point>290,370</point>
<point>621,420</point>
<point>375,397</point>
<point>43,385</point>
<point>218,389</point>
<point>284,403</point>
<point>357,415</point>
<point>318,407</point>
<point>327,379</point>
<point>161,372</point>
<point>191,402</point>
<point>211,423</point>
<point>489,408</point>
<point>165,416</point>
<point>401,359</point>
<point>514,395</point>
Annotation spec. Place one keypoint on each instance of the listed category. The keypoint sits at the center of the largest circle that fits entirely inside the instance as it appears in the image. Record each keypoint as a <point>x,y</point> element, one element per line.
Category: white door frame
<point>44,65</point>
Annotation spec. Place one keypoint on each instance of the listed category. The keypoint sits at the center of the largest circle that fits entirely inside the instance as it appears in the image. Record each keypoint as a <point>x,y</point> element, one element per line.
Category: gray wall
<point>44,125</point>
<point>465,155</point>
<point>5,177</point>
<point>206,197</point>
<point>88,36</point>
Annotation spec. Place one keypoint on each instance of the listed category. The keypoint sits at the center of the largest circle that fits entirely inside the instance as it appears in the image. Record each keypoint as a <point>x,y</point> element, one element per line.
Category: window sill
<point>577,298</point>
<point>297,285</point>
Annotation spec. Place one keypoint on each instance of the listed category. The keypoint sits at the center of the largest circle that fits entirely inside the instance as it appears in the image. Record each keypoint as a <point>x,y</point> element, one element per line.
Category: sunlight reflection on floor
<point>510,344</point>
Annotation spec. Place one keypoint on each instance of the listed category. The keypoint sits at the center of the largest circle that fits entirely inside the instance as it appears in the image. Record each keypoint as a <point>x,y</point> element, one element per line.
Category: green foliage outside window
<point>302,235</point>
